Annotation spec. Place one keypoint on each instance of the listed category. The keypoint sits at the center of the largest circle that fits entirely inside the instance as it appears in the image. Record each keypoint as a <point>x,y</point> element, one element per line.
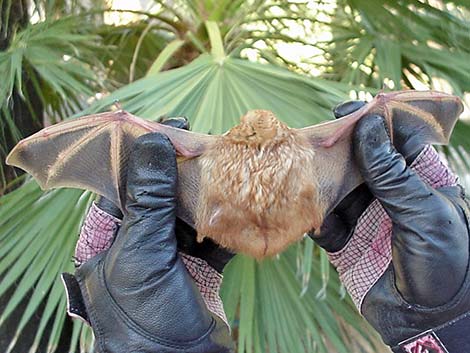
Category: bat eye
<point>253,133</point>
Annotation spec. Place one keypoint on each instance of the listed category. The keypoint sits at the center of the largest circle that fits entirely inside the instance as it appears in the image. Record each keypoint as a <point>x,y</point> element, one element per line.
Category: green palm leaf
<point>47,53</point>
<point>408,42</point>
<point>48,71</point>
<point>213,93</point>
<point>289,304</point>
<point>35,251</point>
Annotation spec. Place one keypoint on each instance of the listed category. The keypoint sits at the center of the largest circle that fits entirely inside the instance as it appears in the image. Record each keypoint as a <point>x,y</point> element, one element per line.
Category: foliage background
<point>210,60</point>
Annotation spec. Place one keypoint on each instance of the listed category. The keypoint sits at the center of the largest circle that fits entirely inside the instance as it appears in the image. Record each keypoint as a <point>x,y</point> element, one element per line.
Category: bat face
<point>255,180</point>
<point>255,189</point>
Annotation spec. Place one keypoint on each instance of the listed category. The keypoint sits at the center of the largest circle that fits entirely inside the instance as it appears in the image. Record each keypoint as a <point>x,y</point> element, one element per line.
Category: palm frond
<point>290,304</point>
<point>459,161</point>
<point>49,70</point>
<point>271,312</point>
<point>34,252</point>
<point>213,94</point>
<point>399,43</point>
<point>57,59</point>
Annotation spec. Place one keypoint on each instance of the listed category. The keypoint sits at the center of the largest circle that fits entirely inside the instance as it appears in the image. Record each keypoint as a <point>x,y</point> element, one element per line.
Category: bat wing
<point>92,152</point>
<point>430,115</point>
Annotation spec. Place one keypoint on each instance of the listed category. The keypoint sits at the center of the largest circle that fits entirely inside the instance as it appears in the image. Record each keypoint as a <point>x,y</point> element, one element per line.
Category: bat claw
<point>116,105</point>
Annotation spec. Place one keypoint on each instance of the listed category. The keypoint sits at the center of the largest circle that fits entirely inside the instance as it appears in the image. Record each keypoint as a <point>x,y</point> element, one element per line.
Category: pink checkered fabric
<point>425,343</point>
<point>369,252</point>
<point>208,282</point>
<point>97,235</point>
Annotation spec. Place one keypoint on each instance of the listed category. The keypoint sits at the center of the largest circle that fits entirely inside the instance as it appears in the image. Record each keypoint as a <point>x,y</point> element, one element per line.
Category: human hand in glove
<point>400,241</point>
<point>104,218</point>
<point>138,295</point>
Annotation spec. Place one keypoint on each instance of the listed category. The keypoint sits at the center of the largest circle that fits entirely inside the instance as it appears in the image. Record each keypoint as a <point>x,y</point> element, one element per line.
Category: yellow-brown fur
<point>258,187</point>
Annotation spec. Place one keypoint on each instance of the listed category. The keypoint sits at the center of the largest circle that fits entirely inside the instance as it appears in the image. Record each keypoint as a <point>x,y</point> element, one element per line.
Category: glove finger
<point>147,231</point>
<point>333,234</point>
<point>354,204</point>
<point>406,141</point>
<point>347,108</point>
<point>152,174</point>
<point>180,122</point>
<point>338,226</point>
<point>142,267</point>
<point>208,251</point>
<point>109,207</point>
<point>427,224</point>
<point>216,256</point>
<point>400,190</point>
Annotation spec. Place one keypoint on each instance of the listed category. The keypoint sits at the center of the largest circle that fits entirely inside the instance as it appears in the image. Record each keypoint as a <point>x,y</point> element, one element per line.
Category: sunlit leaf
<point>213,95</point>
<point>293,303</point>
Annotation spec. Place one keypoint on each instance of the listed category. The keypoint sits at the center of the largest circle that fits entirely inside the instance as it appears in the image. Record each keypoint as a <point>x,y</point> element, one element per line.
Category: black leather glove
<point>138,294</point>
<point>426,283</point>
<point>186,235</point>
<point>430,235</point>
<point>339,225</point>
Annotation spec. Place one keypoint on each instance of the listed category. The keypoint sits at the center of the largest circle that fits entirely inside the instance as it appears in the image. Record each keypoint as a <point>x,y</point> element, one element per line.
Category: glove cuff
<point>97,234</point>
<point>75,305</point>
<point>446,338</point>
<point>116,332</point>
<point>207,280</point>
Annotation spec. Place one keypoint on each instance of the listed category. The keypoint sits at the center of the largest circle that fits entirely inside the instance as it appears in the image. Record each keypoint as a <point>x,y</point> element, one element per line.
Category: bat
<point>256,189</point>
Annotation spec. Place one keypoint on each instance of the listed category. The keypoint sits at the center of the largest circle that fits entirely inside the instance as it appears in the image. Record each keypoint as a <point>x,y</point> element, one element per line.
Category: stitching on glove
<point>114,306</point>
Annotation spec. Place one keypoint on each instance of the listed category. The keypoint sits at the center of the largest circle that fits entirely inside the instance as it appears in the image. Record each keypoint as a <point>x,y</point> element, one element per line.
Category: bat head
<point>258,128</point>
<point>258,188</point>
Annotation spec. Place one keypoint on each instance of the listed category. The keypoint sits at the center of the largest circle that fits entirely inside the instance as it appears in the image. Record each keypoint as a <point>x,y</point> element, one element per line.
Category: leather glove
<point>338,226</point>
<point>186,235</point>
<point>396,238</point>
<point>138,295</point>
<point>428,224</point>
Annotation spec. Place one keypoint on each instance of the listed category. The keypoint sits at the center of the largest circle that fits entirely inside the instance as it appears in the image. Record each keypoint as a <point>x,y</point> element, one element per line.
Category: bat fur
<point>255,189</point>
<point>255,180</point>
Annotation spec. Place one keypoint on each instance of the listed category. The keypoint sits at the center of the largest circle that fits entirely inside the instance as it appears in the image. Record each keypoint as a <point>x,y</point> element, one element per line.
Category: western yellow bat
<point>255,189</point>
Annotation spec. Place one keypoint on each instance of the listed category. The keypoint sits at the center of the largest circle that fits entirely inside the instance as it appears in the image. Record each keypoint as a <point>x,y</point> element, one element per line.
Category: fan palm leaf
<point>213,92</point>
<point>399,43</point>
<point>292,303</point>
